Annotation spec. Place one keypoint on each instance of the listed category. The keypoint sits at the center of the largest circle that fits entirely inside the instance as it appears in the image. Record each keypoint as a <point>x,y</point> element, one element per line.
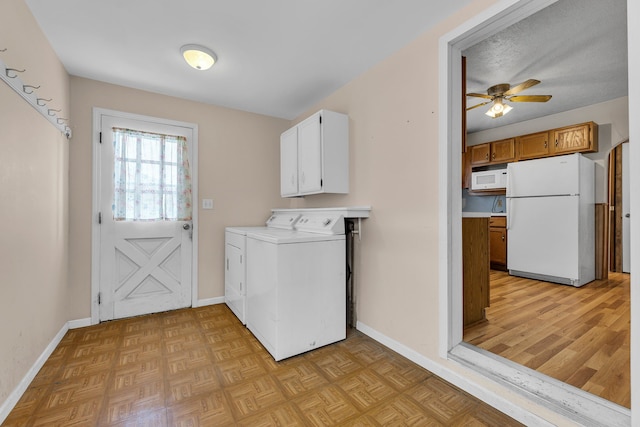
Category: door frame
<point>537,388</point>
<point>95,208</point>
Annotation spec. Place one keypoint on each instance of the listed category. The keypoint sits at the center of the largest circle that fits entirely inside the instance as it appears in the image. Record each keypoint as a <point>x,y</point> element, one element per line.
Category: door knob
<point>186,226</point>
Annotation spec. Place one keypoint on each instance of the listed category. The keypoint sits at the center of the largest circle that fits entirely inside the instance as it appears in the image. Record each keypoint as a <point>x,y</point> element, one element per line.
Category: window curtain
<point>152,179</point>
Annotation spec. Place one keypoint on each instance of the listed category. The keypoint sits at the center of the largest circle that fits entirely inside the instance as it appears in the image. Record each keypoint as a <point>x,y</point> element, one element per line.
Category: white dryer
<point>235,283</point>
<point>296,285</point>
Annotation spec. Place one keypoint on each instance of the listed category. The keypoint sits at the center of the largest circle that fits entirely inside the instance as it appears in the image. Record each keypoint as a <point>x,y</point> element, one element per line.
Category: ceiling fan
<point>502,92</point>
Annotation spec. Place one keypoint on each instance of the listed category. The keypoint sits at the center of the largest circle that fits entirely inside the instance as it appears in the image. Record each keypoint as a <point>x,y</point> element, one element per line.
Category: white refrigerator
<point>550,219</point>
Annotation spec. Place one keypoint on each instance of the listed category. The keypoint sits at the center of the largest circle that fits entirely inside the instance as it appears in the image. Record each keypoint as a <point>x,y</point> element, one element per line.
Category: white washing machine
<point>296,285</point>
<point>235,283</point>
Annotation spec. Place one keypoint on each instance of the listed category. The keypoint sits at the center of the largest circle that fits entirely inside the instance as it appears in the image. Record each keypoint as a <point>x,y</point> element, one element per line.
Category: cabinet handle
<point>493,156</point>
<point>486,157</point>
<point>503,237</point>
<point>545,144</point>
<point>556,142</point>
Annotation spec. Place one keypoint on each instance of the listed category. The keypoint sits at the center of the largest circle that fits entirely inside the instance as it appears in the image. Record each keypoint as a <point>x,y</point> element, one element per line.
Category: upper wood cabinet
<point>480,154</point>
<point>493,152</point>
<point>570,139</point>
<point>533,145</point>
<point>575,139</point>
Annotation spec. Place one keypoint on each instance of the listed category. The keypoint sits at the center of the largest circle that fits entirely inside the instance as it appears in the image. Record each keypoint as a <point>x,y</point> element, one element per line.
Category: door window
<point>152,180</point>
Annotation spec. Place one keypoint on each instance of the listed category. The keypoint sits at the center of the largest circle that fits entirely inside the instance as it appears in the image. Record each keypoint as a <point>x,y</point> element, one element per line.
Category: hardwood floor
<point>201,367</point>
<point>576,335</point>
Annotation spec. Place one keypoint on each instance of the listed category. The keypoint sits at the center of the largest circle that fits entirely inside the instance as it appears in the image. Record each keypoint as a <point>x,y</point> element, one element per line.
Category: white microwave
<point>489,180</point>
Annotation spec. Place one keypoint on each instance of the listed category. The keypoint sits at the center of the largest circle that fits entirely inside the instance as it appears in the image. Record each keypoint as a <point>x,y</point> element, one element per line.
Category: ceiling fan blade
<point>480,95</point>
<point>521,87</point>
<point>530,98</point>
<point>479,105</point>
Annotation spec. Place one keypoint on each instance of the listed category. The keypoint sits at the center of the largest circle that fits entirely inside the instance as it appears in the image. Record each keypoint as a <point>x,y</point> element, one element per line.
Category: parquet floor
<point>201,367</point>
<point>577,335</point>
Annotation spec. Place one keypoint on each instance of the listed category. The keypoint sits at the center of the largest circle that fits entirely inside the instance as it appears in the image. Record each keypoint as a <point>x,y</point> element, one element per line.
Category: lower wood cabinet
<point>475,269</point>
<point>498,242</point>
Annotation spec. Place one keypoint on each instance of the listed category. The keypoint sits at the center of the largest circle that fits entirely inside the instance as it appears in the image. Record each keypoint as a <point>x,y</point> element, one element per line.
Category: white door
<point>626,213</point>
<point>146,241</point>
<point>310,155</point>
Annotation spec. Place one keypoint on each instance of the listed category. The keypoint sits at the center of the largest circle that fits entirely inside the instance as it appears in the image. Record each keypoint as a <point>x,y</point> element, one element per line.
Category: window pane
<point>152,180</point>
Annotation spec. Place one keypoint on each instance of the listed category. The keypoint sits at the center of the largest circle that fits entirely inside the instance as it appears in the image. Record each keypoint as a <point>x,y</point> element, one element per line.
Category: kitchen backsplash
<point>494,204</point>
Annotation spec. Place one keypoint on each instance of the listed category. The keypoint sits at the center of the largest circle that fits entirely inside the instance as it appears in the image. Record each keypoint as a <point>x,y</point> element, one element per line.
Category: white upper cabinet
<point>314,156</point>
<point>289,163</point>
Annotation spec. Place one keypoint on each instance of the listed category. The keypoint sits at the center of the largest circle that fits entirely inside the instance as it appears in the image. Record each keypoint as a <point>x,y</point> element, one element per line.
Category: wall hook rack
<point>25,87</point>
<point>28,93</point>
<point>14,70</point>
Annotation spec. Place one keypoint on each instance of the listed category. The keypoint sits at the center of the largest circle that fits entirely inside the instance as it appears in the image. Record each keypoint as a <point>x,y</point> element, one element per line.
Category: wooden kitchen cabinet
<point>498,242</point>
<point>503,151</point>
<point>576,139</point>
<point>493,152</point>
<point>533,146</point>
<point>480,154</point>
<point>314,156</point>
<point>475,269</point>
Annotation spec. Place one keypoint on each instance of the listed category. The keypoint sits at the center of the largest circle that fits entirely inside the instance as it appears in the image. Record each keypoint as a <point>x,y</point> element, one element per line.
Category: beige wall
<point>393,110</point>
<point>33,200</point>
<point>239,157</point>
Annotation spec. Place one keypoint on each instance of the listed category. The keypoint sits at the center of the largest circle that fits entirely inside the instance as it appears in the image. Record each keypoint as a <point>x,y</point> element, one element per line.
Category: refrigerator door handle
<point>509,212</point>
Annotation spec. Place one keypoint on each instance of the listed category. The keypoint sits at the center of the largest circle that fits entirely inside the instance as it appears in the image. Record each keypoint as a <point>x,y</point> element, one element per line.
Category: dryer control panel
<point>321,223</point>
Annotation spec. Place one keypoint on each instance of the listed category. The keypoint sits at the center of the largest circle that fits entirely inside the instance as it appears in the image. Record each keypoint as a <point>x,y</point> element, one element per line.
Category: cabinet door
<point>289,162</point>
<point>572,139</point>
<point>503,151</point>
<point>498,246</point>
<point>310,156</point>
<point>534,145</point>
<point>480,154</point>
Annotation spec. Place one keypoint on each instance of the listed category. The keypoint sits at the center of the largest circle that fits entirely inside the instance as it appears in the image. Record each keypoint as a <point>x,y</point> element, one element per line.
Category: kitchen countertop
<point>482,214</point>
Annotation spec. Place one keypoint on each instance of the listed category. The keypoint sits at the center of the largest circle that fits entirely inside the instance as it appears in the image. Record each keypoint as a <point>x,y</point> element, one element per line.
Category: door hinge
<point>320,119</point>
<point>99,217</point>
<point>100,139</point>
<point>99,298</point>
<point>320,183</point>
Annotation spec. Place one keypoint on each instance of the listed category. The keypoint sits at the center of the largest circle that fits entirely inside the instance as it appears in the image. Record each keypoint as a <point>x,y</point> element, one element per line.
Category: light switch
<point>207,204</point>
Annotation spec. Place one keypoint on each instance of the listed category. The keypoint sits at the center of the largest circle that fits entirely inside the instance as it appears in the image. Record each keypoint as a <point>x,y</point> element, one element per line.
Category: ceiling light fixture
<point>498,109</point>
<point>199,57</point>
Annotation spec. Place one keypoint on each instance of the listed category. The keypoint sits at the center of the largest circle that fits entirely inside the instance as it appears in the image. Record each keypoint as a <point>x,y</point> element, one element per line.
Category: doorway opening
<point>548,392</point>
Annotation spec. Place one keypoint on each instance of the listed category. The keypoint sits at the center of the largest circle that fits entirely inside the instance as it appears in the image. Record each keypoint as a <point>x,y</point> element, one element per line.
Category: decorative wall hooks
<point>11,77</point>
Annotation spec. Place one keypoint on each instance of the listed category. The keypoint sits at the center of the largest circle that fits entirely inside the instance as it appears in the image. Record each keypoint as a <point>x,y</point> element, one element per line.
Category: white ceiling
<point>576,48</point>
<point>279,57</point>
<point>276,57</point>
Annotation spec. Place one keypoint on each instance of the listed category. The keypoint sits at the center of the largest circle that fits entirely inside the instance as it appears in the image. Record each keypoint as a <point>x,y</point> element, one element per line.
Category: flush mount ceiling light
<point>199,57</point>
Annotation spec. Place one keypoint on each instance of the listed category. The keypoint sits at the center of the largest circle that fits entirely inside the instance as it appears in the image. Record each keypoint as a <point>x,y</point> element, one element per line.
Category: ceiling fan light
<point>198,57</point>
<point>498,110</point>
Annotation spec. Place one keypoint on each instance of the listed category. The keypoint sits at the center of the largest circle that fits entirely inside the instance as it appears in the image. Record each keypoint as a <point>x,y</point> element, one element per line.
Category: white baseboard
<point>209,301</point>
<point>79,323</point>
<point>482,393</point>
<point>16,394</point>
